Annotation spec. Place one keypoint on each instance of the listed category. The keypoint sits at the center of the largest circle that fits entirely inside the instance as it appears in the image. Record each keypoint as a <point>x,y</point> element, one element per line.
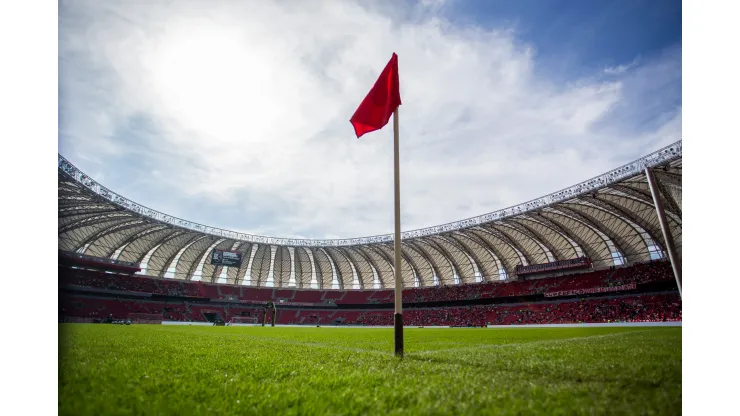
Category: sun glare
<point>214,81</point>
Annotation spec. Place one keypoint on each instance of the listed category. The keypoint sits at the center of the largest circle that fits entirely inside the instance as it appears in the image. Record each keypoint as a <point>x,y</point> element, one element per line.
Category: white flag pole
<point>398,315</point>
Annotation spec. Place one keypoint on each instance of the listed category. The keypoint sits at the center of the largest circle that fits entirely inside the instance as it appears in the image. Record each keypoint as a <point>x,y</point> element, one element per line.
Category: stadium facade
<point>611,220</point>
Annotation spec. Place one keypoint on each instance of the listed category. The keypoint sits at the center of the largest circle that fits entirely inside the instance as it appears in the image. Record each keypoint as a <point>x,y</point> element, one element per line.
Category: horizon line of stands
<point>658,307</point>
<point>75,279</point>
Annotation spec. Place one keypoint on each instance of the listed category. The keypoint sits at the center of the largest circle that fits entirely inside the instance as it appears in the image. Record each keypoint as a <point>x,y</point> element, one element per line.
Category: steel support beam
<point>667,236</point>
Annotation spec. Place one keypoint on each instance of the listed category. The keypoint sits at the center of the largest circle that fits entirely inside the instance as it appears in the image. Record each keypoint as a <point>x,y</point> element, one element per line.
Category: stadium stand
<point>659,271</point>
<point>634,308</point>
<point>549,260</point>
<point>94,295</point>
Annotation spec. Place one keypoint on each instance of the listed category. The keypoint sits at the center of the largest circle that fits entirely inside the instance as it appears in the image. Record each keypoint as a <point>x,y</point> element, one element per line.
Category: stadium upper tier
<point>611,219</point>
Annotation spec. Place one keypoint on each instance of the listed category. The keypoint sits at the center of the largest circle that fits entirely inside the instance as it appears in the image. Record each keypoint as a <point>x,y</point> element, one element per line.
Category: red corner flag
<point>380,103</point>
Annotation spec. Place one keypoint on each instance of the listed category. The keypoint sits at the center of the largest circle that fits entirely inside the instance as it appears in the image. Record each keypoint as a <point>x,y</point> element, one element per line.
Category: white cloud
<point>250,103</point>
<point>619,69</point>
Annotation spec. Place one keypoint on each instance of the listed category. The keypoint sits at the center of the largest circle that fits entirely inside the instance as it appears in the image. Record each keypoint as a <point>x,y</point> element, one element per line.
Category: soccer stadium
<point>417,207</point>
<point>593,253</point>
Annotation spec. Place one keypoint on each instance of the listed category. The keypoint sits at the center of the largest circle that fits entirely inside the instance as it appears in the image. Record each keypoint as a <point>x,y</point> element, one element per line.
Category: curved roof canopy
<point>611,219</point>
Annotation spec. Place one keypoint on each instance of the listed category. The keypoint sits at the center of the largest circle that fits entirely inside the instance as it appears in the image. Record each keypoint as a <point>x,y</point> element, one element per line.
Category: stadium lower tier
<point>659,307</point>
<point>602,280</point>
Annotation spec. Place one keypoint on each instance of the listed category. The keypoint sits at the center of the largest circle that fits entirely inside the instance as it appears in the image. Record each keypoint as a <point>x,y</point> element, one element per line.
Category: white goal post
<point>243,321</point>
<point>145,318</point>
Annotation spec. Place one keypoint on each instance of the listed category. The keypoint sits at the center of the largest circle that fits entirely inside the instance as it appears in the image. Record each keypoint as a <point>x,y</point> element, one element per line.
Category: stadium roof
<point>610,218</point>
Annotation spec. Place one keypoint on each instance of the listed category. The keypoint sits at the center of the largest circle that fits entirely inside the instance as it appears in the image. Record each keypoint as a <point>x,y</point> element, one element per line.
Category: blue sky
<point>591,34</point>
<point>235,114</point>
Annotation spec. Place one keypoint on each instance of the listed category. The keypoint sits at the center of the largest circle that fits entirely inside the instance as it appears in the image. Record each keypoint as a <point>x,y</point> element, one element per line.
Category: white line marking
<point>524,344</point>
<point>436,351</point>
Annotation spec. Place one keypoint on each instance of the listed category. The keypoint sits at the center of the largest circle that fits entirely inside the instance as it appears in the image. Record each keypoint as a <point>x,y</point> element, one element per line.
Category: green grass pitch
<point>182,370</point>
